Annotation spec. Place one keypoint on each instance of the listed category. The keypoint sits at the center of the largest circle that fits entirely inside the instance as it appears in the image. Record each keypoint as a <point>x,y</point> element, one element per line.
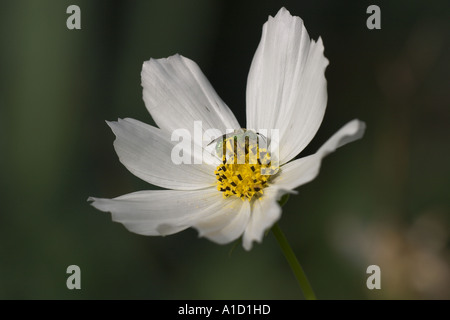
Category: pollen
<point>244,174</point>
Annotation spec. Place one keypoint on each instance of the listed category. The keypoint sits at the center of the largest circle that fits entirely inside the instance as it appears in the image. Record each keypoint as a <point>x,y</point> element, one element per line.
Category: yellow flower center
<point>244,174</point>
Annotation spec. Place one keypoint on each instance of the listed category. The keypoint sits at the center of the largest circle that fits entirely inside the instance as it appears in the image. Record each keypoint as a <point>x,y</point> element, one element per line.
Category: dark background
<point>383,200</point>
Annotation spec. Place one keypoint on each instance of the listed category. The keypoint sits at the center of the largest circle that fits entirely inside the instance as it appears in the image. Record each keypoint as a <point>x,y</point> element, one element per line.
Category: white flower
<point>286,90</point>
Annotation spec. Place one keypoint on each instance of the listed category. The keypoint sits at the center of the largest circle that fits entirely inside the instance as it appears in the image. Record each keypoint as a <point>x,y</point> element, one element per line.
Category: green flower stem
<point>293,262</point>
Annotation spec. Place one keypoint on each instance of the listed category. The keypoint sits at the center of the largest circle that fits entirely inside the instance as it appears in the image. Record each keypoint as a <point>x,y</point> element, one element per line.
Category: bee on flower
<point>236,196</point>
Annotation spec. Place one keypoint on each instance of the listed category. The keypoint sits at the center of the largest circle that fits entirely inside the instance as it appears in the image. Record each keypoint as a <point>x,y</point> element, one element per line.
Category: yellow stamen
<point>240,175</point>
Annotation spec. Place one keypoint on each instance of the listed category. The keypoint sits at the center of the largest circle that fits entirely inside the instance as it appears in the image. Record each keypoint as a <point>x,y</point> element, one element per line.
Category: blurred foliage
<point>382,200</point>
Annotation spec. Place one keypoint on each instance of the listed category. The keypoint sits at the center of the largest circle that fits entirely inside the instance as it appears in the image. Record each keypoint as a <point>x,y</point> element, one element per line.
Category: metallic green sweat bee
<point>241,140</point>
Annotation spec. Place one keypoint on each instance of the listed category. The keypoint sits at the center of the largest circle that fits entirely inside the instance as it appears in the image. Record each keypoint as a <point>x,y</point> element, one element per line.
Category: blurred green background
<point>383,200</point>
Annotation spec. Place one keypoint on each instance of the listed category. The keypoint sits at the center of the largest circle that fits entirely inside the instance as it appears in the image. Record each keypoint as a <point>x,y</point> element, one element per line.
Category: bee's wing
<point>215,140</point>
<point>225,136</point>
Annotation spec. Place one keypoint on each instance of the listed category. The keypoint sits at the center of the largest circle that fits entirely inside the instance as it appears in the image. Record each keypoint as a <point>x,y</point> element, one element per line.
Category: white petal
<point>160,212</point>
<point>352,131</point>
<point>303,170</point>
<point>229,225</point>
<point>265,212</point>
<point>176,93</point>
<point>286,88</point>
<point>146,152</point>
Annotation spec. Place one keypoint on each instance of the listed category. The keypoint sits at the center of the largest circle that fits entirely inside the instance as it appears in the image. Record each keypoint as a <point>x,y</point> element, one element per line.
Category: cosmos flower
<point>286,91</point>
